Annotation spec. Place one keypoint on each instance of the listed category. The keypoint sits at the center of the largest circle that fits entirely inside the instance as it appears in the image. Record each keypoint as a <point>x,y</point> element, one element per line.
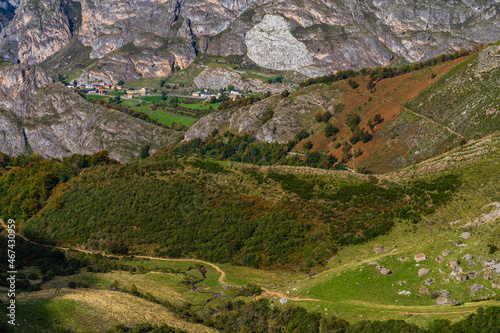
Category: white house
<point>420,257</point>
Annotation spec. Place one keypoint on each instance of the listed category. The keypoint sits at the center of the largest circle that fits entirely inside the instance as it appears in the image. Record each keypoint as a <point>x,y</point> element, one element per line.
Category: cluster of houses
<point>102,89</point>
<point>207,95</point>
<point>97,89</point>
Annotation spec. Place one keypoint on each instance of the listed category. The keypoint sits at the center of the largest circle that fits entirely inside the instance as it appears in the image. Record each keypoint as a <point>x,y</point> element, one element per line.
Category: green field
<point>167,118</point>
<point>201,106</point>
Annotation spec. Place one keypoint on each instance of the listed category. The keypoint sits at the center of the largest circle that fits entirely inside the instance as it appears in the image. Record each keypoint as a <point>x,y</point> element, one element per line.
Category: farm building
<point>420,257</point>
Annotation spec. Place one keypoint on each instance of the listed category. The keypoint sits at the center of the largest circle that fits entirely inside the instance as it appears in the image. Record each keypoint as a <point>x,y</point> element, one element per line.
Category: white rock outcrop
<point>270,44</point>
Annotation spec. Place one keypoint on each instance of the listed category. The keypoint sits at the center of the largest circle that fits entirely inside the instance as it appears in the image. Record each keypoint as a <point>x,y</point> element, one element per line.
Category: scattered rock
<point>373,263</point>
<point>439,259</point>
<point>403,259</point>
<point>488,274</point>
<point>405,292</point>
<point>472,274</point>
<point>445,253</point>
<point>461,277</point>
<point>471,263</point>
<point>495,284</point>
<point>423,290</point>
<point>379,268</point>
<point>445,294</point>
<point>442,301</point>
<point>454,263</point>
<point>423,271</point>
<point>467,257</point>
<point>465,235</point>
<point>430,281</point>
<point>494,265</point>
<point>475,288</point>
<point>378,249</point>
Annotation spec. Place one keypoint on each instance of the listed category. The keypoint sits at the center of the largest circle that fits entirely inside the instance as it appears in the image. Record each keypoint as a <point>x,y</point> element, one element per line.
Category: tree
<point>308,145</point>
<point>173,102</point>
<point>326,116</point>
<point>330,130</point>
<point>115,247</point>
<point>353,84</point>
<point>144,152</point>
<point>377,119</point>
<point>120,82</point>
<point>75,83</point>
<point>318,116</point>
<point>230,87</point>
<point>285,94</point>
<point>371,125</point>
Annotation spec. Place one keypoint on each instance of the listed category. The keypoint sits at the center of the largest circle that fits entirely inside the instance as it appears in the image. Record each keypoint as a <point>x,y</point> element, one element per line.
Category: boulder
<point>430,281</point>
<point>423,271</point>
<point>385,271</point>
<point>403,259</point>
<point>442,301</point>
<point>454,263</point>
<point>472,274</point>
<point>461,277</point>
<point>378,249</point>
<point>465,235</point>
<point>445,253</point>
<point>423,290</point>
<point>444,294</point>
<point>488,274</point>
<point>475,288</point>
<point>439,259</point>
<point>467,257</point>
<point>495,284</point>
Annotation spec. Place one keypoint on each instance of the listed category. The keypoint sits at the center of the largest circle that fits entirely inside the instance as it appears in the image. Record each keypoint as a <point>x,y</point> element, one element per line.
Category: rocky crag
<point>151,38</point>
<point>45,118</point>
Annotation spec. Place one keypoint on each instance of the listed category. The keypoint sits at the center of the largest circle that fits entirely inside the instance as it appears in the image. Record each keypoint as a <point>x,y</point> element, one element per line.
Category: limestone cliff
<point>312,37</point>
<point>45,118</point>
<point>145,38</point>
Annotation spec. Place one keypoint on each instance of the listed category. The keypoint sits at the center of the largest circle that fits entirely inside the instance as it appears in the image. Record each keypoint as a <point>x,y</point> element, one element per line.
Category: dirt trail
<point>436,313</point>
<point>268,293</point>
<point>217,268</point>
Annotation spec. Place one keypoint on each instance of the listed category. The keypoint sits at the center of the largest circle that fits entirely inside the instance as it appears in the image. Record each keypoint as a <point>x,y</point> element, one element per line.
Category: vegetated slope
<point>366,122</point>
<point>466,99</point>
<point>461,268</point>
<point>244,215</point>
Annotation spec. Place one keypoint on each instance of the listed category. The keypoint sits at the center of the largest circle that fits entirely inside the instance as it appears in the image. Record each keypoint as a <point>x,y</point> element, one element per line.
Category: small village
<point>103,89</point>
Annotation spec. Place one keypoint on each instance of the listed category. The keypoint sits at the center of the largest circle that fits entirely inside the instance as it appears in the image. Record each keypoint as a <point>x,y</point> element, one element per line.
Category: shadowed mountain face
<point>151,38</point>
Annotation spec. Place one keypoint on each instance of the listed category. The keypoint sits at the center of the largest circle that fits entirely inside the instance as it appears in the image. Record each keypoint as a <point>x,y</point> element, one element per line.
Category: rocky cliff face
<point>41,117</point>
<point>314,37</point>
<point>38,30</point>
<point>6,13</point>
<point>217,78</point>
<point>270,120</point>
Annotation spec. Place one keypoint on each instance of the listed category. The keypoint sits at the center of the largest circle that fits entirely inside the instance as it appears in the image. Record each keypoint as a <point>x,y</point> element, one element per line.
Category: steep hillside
<point>50,120</point>
<point>376,123</point>
<point>312,38</point>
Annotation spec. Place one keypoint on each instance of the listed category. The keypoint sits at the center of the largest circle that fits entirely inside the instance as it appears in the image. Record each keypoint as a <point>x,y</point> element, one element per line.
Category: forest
<point>200,208</point>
